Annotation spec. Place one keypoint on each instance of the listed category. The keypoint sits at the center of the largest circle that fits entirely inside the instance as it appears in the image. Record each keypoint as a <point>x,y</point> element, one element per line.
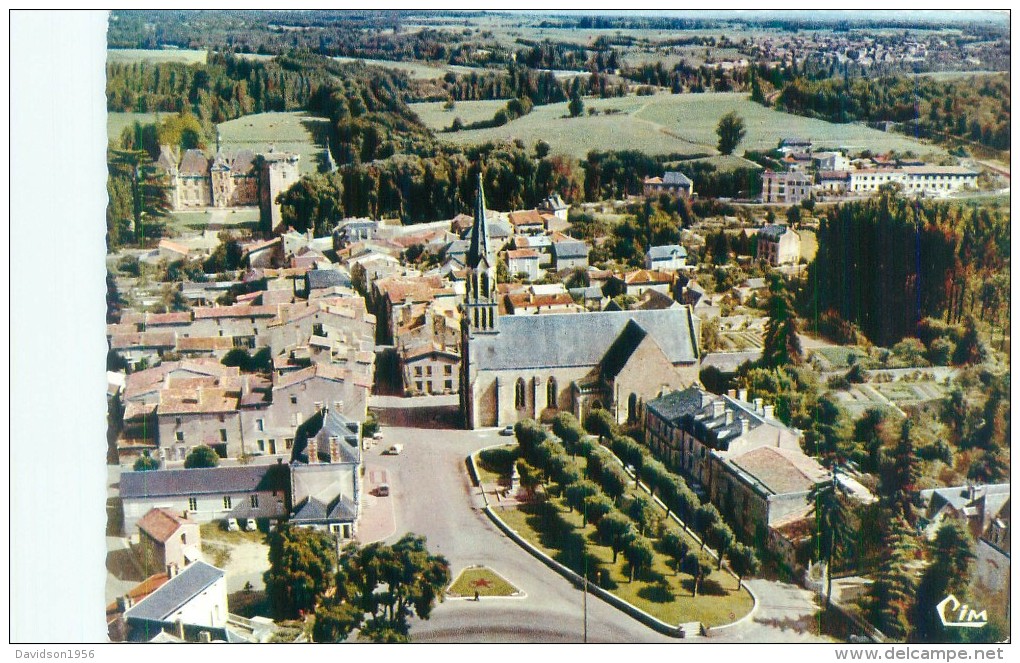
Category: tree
<point>595,507</point>
<point>577,493</point>
<point>722,538</point>
<point>675,546</point>
<point>302,563</point>
<point>201,456</point>
<point>542,149</point>
<point>743,561</point>
<point>696,567</point>
<point>705,516</point>
<point>529,434</point>
<point>951,554</point>
<point>730,131</point>
<point>576,105</point>
<point>530,476</point>
<point>615,529</point>
<point>890,598</point>
<point>639,554</point>
<point>600,422</point>
<point>899,472</point>
<point>389,585</point>
<point>335,622</point>
<point>642,512</point>
<point>614,481</point>
<point>834,534</point>
<point>149,189</point>
<point>781,342</point>
<point>145,463</point>
<point>566,427</point>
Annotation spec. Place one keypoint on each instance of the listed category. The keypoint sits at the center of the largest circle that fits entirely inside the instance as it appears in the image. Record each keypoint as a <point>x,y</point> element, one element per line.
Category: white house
<point>778,245</point>
<point>670,257</point>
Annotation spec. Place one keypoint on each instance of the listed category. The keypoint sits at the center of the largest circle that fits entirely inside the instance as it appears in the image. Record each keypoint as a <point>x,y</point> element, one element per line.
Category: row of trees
<point>373,589</point>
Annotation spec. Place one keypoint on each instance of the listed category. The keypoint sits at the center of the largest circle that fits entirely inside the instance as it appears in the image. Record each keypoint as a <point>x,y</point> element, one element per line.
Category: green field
<point>414,69</point>
<point>117,122</point>
<point>158,55</point>
<point>438,118</point>
<point>295,132</point>
<point>187,222</point>
<point>664,124</point>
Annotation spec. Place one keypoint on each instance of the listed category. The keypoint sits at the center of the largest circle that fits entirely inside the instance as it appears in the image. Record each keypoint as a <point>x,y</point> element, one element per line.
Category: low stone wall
<point>578,581</point>
<point>473,471</point>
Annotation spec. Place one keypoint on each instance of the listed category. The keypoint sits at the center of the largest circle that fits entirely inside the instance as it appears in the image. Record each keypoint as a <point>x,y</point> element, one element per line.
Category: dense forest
<point>887,263</point>
<point>969,109</point>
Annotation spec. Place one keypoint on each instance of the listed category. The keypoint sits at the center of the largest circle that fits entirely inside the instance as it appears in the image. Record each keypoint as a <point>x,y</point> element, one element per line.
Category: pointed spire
<point>479,249</point>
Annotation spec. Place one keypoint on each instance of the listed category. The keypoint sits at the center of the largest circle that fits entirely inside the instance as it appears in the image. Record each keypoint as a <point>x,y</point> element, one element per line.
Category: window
<point>448,370</point>
<point>179,435</point>
<point>448,385</point>
<point>519,394</point>
<point>223,435</point>
<point>227,502</point>
<point>288,442</point>
<point>417,385</point>
<point>178,421</point>
<point>260,424</point>
<point>428,371</point>
<point>293,399</point>
<point>417,371</point>
<point>550,393</point>
<point>318,406</point>
<point>262,445</point>
<point>184,539</point>
<point>192,504</point>
<point>254,501</point>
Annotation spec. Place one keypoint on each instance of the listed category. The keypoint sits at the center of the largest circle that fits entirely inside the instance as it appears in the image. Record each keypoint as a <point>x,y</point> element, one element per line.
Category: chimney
<point>744,425</point>
<point>718,406</point>
<point>313,451</point>
<point>125,603</point>
<point>334,449</point>
<point>732,393</point>
<point>757,404</point>
<point>171,570</point>
<point>742,394</point>
<point>767,411</point>
<point>729,417</point>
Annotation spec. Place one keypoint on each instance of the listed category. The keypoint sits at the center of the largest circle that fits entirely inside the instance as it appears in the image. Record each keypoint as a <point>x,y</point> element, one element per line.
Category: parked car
<point>395,449</point>
<point>250,525</point>
<point>231,525</point>
<point>377,435</point>
<point>383,490</point>
<point>507,431</point>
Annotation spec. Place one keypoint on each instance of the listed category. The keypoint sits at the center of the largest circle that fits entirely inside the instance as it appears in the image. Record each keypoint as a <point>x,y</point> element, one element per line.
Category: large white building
<point>931,180</point>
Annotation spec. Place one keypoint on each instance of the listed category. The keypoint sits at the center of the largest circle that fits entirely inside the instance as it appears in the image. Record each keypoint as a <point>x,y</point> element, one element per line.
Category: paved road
<point>434,497</point>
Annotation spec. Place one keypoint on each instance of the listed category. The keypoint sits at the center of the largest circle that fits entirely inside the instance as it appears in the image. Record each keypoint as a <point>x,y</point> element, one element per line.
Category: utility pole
<point>584,558</point>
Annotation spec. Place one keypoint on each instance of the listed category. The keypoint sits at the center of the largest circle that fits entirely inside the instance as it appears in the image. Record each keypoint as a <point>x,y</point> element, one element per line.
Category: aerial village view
<point>496,327</point>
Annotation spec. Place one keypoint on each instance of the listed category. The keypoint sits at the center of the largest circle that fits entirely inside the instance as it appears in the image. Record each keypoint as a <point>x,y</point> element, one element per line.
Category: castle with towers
<point>229,179</point>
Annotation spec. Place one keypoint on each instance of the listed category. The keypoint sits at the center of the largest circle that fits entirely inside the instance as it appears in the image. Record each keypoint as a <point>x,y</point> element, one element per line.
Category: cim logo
<point>954,613</point>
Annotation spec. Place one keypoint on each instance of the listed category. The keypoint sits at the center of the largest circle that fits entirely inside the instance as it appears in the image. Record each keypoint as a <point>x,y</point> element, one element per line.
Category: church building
<point>533,366</point>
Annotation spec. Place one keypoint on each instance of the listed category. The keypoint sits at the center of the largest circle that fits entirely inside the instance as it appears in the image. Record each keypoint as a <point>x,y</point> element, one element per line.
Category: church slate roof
<point>578,339</point>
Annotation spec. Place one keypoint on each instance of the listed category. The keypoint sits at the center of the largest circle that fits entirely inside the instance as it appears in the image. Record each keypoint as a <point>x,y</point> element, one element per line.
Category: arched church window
<point>550,393</point>
<point>519,394</point>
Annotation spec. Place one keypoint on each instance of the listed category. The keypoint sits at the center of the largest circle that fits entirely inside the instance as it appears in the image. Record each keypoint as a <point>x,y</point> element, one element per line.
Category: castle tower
<point>481,307</point>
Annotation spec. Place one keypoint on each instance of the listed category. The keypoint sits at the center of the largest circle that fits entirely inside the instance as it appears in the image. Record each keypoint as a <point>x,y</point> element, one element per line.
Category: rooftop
<point>213,480</point>
<point>176,592</point>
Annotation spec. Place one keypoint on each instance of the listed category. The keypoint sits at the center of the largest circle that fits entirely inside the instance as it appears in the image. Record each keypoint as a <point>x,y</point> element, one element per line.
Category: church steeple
<point>481,306</point>
<point>479,249</point>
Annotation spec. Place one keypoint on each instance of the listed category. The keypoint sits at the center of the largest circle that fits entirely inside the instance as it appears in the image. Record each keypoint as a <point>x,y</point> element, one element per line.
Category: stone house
<point>671,183</point>
<point>778,245</point>
<point>635,282</point>
<point>523,261</point>
<point>208,494</point>
<point>527,222</point>
<point>165,539</point>
<point>670,257</point>
<point>570,254</point>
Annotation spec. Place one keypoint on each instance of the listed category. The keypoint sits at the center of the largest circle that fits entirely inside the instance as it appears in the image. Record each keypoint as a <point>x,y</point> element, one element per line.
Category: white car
<point>395,450</point>
<point>231,524</point>
<point>250,525</point>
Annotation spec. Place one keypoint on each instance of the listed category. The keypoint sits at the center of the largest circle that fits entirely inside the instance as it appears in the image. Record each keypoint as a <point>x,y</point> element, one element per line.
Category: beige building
<point>165,539</point>
<point>531,366</point>
<point>778,245</point>
<point>785,188</point>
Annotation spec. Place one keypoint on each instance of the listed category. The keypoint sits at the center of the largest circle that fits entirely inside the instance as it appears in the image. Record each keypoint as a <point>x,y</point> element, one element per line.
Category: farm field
<point>117,122</point>
<point>413,69</point>
<point>156,55</point>
<point>437,118</point>
<point>295,132</point>
<point>667,124</point>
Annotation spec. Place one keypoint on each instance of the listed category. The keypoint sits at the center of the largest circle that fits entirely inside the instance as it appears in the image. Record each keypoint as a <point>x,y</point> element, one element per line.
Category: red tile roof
<point>159,524</point>
<point>526,218</point>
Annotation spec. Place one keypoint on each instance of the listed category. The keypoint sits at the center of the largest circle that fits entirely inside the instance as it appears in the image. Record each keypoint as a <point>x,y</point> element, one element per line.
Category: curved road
<point>433,496</point>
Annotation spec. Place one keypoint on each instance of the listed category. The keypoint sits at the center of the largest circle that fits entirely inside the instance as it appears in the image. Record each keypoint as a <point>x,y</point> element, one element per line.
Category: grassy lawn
<point>662,124</point>
<point>295,132</point>
<point>482,580</point>
<point>438,118</point>
<point>184,222</point>
<point>117,122</point>
<point>156,55</point>
<point>214,532</point>
<point>660,591</point>
<point>493,465</point>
